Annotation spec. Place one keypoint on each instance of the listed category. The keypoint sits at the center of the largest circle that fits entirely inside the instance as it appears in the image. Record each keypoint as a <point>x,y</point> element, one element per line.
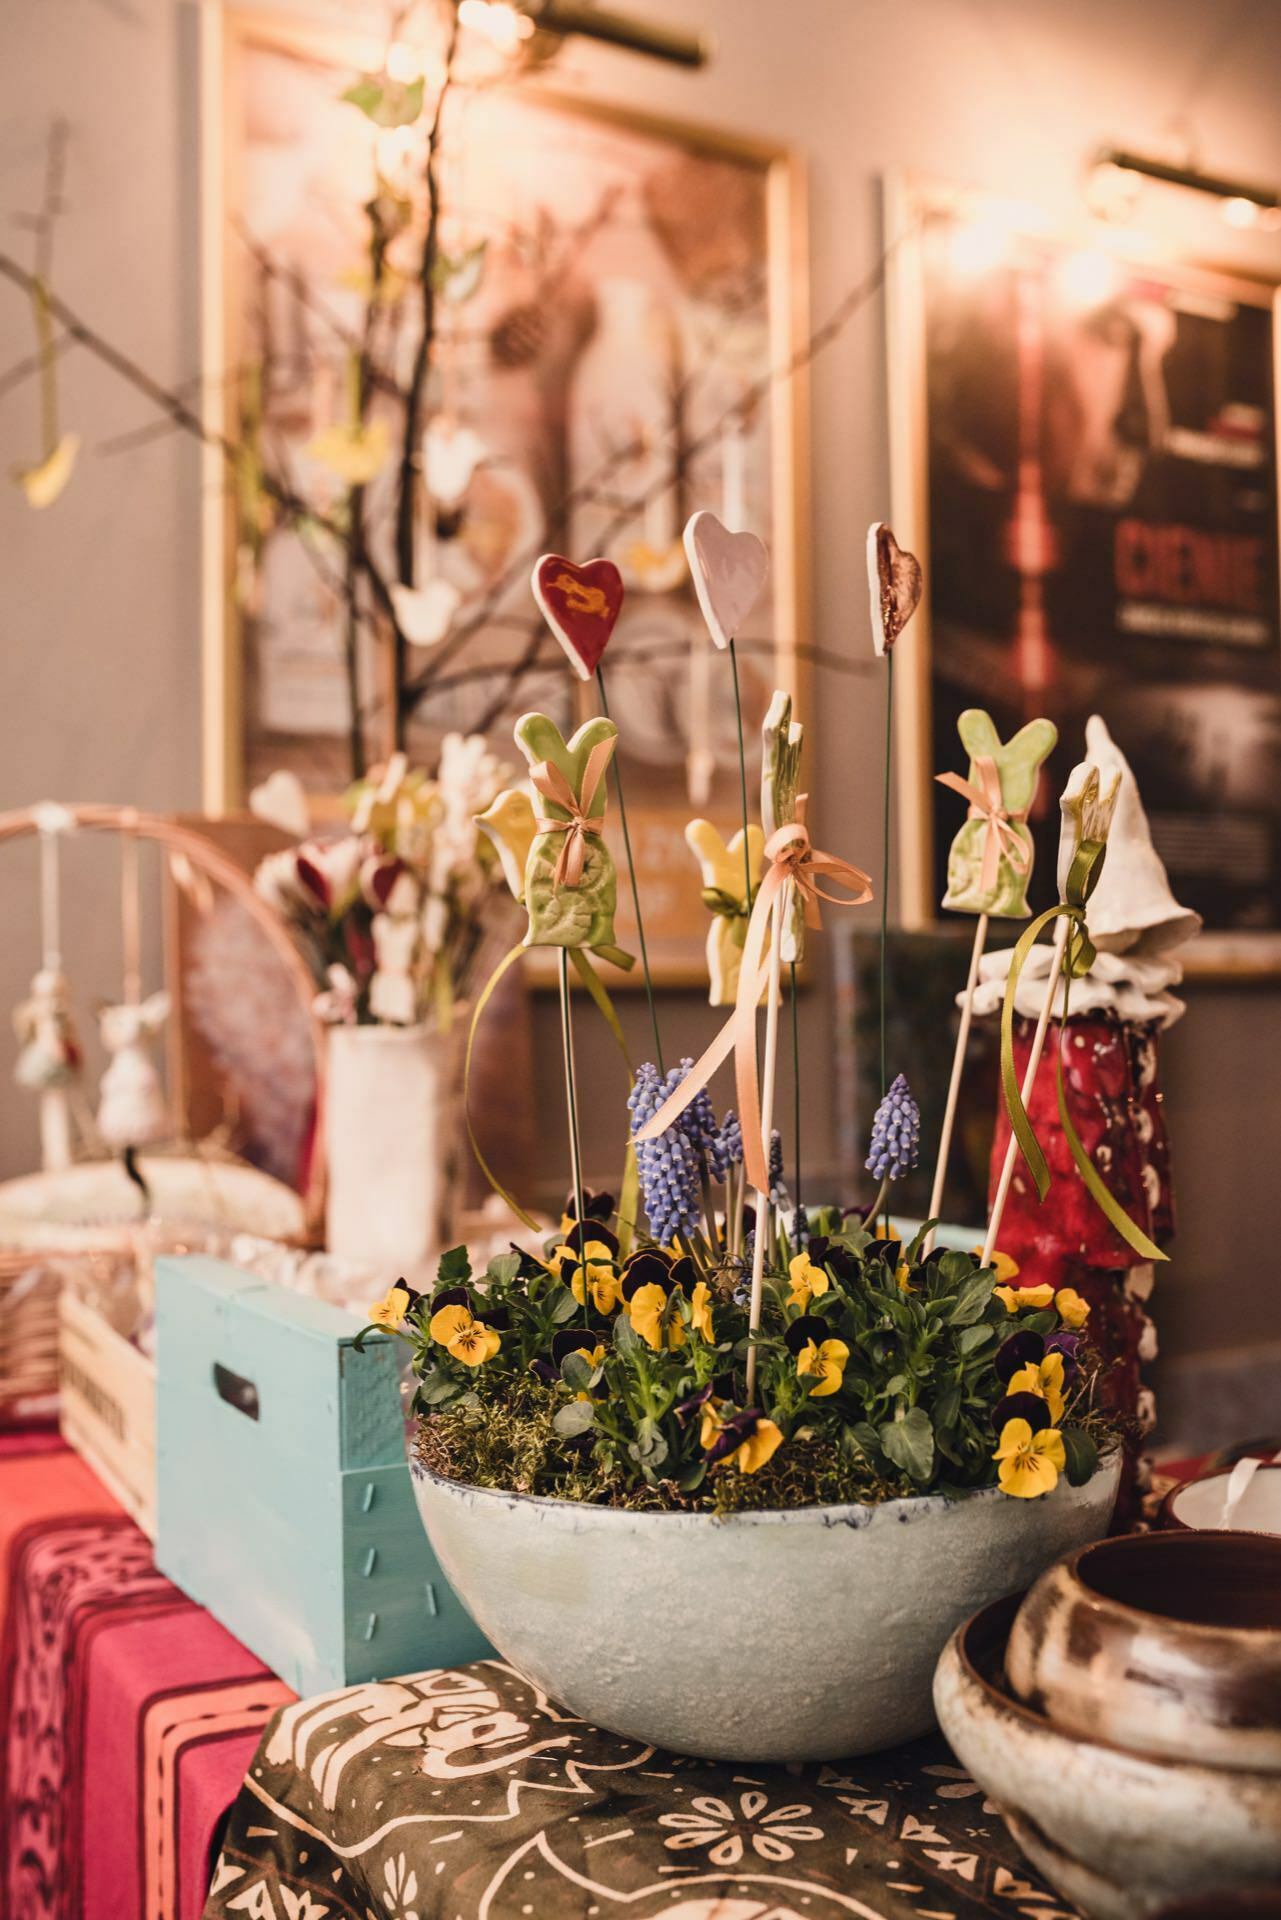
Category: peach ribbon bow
<point>552,784</point>
<point>986,804</point>
<point>792,859</point>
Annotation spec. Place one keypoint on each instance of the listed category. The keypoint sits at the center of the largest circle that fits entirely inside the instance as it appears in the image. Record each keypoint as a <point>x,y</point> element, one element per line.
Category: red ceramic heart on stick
<point>580,605</point>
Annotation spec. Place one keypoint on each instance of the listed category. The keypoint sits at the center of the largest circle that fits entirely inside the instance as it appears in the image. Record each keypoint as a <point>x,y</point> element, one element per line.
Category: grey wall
<point>98,599</point>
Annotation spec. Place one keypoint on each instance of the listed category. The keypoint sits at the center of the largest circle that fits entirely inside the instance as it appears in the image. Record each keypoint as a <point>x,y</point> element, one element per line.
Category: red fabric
<point>131,1715</point>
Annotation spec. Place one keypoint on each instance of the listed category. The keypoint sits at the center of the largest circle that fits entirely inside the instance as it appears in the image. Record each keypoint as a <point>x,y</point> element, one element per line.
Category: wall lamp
<point>1242,204</point>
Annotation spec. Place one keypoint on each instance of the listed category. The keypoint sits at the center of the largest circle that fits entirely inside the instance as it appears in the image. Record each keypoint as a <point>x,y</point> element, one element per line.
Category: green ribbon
<point>1078,958</point>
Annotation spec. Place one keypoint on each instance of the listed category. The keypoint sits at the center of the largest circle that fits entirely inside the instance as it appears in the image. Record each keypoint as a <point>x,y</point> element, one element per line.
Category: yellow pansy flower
<point>1030,1463</point>
<point>594,1358</point>
<point>646,1309</point>
<point>1073,1310</point>
<point>468,1340</point>
<point>709,1422</point>
<point>601,1279</point>
<point>903,1277</point>
<point>1001,1264</point>
<point>390,1311</point>
<point>760,1445</point>
<point>1045,1379</point>
<point>700,1307</point>
<point>825,1359</point>
<point>807,1280</point>
<point>1024,1299</point>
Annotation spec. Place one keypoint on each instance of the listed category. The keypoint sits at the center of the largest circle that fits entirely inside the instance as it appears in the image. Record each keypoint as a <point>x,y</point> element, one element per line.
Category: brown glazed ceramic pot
<point>1118,1834</point>
<point>1163,1644</point>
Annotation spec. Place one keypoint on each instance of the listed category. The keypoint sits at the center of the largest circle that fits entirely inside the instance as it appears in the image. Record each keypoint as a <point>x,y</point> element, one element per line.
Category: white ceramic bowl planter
<point>804,1634</point>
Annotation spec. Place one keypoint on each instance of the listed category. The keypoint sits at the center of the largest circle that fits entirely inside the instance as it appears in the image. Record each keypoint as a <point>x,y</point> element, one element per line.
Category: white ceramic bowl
<point>1200,1503</point>
<point>805,1634</point>
<point>1119,1834</point>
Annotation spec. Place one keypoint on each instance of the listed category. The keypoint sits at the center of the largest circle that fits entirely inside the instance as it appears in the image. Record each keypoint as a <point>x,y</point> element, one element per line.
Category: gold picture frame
<point>1105,488</point>
<point>772,189</point>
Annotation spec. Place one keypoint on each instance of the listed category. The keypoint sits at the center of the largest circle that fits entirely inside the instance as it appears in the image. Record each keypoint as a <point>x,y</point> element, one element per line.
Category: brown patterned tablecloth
<point>468,1795</point>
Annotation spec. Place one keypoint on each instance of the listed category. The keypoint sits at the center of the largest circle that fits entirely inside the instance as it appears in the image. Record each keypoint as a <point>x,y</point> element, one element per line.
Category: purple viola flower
<point>1021,1406</point>
<point>737,1428</point>
<point>1020,1350</point>
<point>896,1134</point>
<point>778,1194</point>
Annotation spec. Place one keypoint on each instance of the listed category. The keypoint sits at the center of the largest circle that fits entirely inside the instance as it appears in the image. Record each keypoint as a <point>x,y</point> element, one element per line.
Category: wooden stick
<point>131,913</point>
<point>1029,1081</point>
<point>571,1105</point>
<point>631,872</point>
<point>778,920</point>
<point>954,1085</point>
<point>50,905</point>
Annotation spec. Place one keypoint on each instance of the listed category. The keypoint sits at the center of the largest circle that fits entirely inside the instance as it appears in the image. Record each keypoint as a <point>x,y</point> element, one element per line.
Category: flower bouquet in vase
<point>703,1427</point>
<point>398,916</point>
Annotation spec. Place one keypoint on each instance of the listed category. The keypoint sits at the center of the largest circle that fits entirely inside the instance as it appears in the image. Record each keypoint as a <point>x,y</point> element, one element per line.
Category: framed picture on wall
<point>613,301</point>
<point>1085,460</point>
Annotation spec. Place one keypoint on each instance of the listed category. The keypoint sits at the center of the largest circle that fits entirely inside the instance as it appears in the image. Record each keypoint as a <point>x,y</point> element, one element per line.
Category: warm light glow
<point>1086,279</point>
<point>1113,192</point>
<point>1239,212</point>
<point>403,64</point>
<point>978,247</point>
<point>504,26</point>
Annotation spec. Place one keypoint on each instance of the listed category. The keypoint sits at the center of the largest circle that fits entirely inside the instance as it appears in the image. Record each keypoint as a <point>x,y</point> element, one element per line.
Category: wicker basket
<point>52,1233</point>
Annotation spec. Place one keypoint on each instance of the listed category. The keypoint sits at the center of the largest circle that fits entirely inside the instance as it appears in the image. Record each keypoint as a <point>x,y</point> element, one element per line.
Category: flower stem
<point>885,852</point>
<point>631,872</point>
<point>571,1102</point>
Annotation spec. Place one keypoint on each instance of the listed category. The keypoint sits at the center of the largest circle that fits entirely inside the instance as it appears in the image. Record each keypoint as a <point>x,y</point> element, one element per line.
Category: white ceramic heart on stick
<point>729,571</point>
<point>281,801</point>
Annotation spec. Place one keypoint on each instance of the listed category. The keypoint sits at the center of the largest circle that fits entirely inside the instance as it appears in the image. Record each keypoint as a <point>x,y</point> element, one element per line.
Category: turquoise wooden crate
<point>284,1503</point>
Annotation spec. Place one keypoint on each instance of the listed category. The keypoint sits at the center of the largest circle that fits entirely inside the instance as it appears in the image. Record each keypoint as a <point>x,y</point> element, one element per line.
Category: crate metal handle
<point>238,1392</point>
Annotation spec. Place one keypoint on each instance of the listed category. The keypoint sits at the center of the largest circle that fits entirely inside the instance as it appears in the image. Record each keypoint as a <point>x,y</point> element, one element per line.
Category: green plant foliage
<point>879,1372</point>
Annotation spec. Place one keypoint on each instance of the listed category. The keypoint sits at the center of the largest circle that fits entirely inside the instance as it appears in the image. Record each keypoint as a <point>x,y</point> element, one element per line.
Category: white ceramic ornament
<point>281,801</point>
<point>729,571</point>
<point>1132,907</point>
<point>425,614</point>
<point>132,1110</point>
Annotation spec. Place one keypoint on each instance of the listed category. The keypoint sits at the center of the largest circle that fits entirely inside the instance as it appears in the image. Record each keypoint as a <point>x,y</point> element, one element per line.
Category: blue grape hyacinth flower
<point>896,1134</point>
<point>668,1166</point>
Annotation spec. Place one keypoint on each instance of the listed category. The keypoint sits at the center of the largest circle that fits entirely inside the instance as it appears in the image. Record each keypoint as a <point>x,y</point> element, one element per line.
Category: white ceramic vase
<point>392,1125</point>
<point>690,1632</point>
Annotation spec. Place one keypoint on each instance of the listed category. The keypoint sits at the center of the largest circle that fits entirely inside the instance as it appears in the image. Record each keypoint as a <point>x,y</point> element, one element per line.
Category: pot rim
<point>1143,1619</point>
<point>852,1513</point>
<point>998,1697</point>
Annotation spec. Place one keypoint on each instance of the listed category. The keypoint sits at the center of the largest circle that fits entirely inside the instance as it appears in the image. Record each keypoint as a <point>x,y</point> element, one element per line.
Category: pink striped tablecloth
<point>129,1715</point>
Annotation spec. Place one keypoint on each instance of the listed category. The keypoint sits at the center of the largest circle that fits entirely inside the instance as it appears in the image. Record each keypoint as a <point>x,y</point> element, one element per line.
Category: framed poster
<point>1085,460</point>
<point>613,302</point>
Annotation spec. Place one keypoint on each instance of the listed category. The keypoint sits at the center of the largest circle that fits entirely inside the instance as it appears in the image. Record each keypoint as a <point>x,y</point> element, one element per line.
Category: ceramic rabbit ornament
<point>570,884</point>
<point>990,863</point>
<point>724,871</point>
<point>132,1110</point>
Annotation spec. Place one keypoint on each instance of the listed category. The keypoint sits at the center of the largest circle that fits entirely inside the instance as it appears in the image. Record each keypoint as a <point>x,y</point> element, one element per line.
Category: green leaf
<point>972,1299</point>
<point>626,1338</point>
<point>387,102</point>
<point>576,1371</point>
<point>455,1266</point>
<point>909,1443</point>
<point>898,1384</point>
<point>956,1267</point>
<point>503,1268</point>
<point>648,1449</point>
<point>864,1436</point>
<point>439,1389</point>
<point>693,1477</point>
<point>1045,1321</point>
<point>565,1308</point>
<point>947,1407</point>
<point>1081,1453</point>
<point>578,1417</point>
<point>970,1339</point>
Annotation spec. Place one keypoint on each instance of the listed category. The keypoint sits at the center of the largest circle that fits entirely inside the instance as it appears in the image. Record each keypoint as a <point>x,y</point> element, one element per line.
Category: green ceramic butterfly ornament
<point>990,862</point>
<point>570,886</point>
